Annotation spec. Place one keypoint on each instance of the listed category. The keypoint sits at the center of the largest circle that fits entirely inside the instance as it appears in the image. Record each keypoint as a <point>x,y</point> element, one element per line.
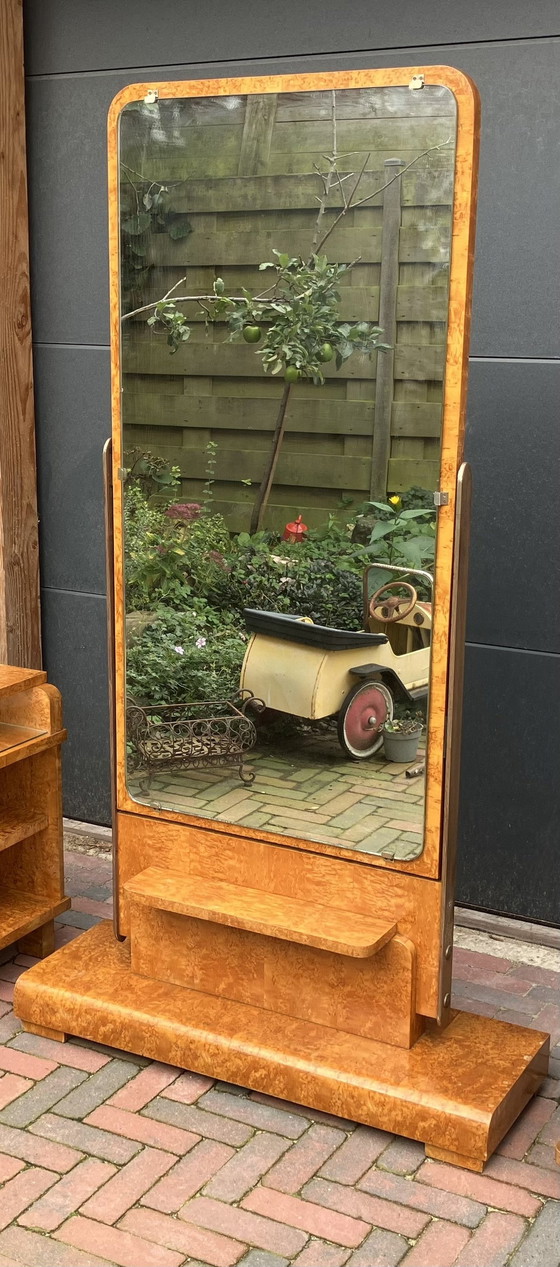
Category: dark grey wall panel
<point>510,790</point>
<point>65,36</point>
<point>73,420</point>
<point>74,631</point>
<point>513,442</point>
<point>67,167</point>
<point>516,308</point>
<point>517,278</point>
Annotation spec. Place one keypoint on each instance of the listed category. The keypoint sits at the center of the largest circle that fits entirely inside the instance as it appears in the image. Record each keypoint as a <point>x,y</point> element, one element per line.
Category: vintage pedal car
<point>315,672</point>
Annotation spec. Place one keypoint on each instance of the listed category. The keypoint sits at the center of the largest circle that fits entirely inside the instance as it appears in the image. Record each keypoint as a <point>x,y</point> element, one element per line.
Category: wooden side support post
<point>388,282</point>
<point>20,638</point>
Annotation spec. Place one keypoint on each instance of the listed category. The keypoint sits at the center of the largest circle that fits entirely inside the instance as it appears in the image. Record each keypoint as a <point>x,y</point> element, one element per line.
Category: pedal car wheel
<point>366,707</point>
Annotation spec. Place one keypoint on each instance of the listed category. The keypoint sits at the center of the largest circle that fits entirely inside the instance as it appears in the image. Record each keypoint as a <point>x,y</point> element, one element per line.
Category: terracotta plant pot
<point>399,746</point>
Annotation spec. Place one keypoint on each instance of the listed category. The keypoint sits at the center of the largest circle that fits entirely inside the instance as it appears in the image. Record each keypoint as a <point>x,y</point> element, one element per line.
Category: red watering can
<point>295,531</point>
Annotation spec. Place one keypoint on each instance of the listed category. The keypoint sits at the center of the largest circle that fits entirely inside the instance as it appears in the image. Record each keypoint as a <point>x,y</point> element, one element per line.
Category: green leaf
<point>381,506</point>
<point>381,530</point>
<point>180,227</point>
<point>412,553</point>
<point>137,224</point>
<point>415,514</point>
<point>345,349</point>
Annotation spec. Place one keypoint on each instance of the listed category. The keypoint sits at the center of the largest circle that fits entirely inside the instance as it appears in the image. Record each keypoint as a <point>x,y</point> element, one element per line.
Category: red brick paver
<point>112,1160</point>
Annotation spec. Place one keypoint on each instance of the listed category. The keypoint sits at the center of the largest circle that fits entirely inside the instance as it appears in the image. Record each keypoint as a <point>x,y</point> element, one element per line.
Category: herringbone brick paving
<point>108,1158</point>
<point>309,788</point>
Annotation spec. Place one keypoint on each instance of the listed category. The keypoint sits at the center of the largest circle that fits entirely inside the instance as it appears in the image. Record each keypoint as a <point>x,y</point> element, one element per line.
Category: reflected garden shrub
<point>195,579</point>
<point>184,657</point>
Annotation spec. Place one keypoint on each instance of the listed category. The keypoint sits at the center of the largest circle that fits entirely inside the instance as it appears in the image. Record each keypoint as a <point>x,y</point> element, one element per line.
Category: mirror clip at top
<point>441,499</point>
<point>416,82</point>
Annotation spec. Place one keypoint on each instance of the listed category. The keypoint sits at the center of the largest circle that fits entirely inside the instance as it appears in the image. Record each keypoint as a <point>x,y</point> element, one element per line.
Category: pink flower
<point>200,642</point>
<point>183,510</point>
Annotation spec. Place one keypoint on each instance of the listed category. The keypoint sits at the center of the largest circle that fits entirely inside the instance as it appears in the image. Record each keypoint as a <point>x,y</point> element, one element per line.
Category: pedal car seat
<point>298,629</point>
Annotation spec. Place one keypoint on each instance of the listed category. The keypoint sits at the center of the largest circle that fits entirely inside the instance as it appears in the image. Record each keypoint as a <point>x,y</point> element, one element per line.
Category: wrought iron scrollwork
<point>184,736</point>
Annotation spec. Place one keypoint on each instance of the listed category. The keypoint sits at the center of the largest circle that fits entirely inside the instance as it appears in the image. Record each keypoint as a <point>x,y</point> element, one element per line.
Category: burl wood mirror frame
<point>293,967</point>
<point>436,862</point>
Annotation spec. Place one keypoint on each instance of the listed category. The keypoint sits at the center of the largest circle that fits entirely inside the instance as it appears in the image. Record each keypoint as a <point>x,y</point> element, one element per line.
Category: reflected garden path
<point>306,790</point>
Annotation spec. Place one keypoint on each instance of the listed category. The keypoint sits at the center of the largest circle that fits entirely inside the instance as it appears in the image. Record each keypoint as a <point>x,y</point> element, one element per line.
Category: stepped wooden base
<point>457,1090</point>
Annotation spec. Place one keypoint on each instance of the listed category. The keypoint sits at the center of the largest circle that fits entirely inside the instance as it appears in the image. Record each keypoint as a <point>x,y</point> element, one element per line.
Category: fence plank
<point>417,245</point>
<point>409,418</point>
<point>150,355</point>
<point>274,193</point>
<point>320,417</point>
<point>354,135</point>
<point>254,414</point>
<point>410,472</point>
<point>357,303</point>
<point>312,470</point>
<point>260,113</point>
<point>388,321</point>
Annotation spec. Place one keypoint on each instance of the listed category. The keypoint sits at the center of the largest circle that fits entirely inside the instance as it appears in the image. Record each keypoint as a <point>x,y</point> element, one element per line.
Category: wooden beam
<point>260,113</point>
<point>388,285</point>
<point>20,638</point>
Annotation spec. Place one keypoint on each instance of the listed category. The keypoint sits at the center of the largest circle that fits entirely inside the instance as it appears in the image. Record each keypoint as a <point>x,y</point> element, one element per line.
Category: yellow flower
<point>395,501</point>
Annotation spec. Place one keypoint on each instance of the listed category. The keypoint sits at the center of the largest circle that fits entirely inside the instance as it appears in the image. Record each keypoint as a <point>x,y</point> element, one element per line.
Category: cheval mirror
<point>288,517</point>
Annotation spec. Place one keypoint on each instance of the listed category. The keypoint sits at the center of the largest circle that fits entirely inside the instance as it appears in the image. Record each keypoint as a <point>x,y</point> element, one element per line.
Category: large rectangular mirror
<point>284,296</point>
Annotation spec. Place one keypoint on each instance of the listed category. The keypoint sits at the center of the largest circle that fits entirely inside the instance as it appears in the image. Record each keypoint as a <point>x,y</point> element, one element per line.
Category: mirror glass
<point>284,293</point>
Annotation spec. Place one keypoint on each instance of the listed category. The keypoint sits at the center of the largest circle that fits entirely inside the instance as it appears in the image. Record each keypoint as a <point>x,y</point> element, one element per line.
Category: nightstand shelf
<point>31,863</point>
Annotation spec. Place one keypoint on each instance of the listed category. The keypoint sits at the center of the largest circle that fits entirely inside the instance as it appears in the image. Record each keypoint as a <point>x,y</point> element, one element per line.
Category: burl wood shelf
<point>31,866</point>
<point>237,906</point>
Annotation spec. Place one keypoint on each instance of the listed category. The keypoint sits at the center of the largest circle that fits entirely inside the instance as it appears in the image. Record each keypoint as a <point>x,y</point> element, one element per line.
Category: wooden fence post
<point>20,637</point>
<point>260,113</point>
<point>388,282</point>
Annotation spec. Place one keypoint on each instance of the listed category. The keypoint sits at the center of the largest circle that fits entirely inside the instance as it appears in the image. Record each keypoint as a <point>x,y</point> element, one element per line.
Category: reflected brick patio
<point>308,789</point>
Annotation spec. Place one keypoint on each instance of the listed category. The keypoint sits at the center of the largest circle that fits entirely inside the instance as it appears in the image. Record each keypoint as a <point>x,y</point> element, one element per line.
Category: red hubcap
<point>364,717</point>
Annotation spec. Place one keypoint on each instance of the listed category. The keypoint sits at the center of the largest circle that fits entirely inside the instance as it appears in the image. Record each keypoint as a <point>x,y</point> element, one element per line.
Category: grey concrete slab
<point>75,657</point>
<point>63,36</point>
<point>73,420</point>
<point>513,443</point>
<point>510,790</point>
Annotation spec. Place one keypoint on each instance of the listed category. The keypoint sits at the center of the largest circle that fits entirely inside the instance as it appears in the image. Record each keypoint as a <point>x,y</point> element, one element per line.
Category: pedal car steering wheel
<point>391,608</point>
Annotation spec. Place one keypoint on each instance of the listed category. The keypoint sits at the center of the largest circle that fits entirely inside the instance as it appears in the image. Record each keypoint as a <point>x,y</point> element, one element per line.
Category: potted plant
<point>401,735</point>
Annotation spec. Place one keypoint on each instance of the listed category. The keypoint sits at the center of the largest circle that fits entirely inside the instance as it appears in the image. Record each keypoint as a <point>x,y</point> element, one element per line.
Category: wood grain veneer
<point>272,914</point>
<point>459,1090</point>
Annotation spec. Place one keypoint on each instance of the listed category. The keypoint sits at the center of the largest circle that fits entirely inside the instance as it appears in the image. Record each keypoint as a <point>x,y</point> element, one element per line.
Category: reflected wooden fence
<point>374,427</point>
